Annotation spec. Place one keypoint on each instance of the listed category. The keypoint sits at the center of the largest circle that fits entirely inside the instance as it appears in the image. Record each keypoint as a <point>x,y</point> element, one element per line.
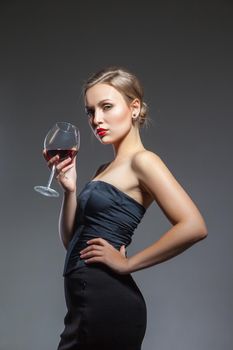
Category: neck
<point>128,145</point>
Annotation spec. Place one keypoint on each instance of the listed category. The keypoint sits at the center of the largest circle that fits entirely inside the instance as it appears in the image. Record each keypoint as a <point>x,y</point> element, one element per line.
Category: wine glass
<point>63,139</point>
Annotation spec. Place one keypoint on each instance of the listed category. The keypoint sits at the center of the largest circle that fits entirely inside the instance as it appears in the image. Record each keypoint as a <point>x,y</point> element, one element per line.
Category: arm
<point>67,177</point>
<point>188,224</point>
<point>67,217</point>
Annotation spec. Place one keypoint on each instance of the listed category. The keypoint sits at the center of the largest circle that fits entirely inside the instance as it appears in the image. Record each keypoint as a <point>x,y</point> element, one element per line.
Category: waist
<point>114,236</point>
<point>84,233</point>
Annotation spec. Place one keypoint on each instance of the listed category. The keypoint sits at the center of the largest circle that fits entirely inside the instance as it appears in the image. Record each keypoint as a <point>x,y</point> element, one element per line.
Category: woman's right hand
<point>66,174</point>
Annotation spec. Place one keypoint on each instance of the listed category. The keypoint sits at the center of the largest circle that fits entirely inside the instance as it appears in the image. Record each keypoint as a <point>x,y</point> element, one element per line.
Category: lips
<point>101,131</point>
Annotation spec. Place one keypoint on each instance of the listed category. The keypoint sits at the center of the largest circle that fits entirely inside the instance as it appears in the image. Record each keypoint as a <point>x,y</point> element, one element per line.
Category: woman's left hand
<point>99,250</point>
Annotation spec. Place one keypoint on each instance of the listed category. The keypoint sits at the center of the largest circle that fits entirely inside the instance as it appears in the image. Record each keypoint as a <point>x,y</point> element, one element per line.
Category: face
<point>107,109</point>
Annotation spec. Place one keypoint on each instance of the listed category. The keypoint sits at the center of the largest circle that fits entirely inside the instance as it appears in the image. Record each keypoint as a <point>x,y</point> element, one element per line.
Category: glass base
<point>46,191</point>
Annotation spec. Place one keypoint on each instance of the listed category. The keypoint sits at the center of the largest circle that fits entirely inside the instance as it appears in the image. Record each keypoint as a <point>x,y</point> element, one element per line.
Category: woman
<point>106,309</point>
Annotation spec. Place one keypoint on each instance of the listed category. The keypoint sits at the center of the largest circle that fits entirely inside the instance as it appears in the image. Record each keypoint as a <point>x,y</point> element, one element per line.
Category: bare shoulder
<point>144,161</point>
<point>153,173</point>
<point>144,155</point>
<point>158,180</point>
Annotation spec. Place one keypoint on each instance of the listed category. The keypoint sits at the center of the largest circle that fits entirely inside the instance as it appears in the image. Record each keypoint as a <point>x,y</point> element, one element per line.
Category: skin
<point>136,171</point>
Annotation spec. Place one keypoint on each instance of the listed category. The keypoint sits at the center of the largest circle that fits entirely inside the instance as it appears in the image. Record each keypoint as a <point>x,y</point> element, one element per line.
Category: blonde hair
<point>123,81</point>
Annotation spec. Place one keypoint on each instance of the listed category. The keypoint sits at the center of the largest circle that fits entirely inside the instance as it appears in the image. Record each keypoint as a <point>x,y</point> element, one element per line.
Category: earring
<point>134,116</point>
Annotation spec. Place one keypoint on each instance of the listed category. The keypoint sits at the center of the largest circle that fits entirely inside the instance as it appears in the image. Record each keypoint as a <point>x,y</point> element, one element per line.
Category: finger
<point>122,250</point>
<point>95,259</point>
<point>74,159</point>
<point>63,163</point>
<point>99,240</point>
<point>91,247</point>
<point>68,167</point>
<point>62,172</point>
<point>92,253</point>
<point>53,160</point>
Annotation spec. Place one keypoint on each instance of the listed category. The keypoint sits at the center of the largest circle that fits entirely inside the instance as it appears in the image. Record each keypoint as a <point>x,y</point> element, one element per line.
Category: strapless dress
<point>105,310</point>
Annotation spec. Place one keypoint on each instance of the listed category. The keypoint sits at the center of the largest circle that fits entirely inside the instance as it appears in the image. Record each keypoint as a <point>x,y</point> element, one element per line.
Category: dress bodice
<point>104,211</point>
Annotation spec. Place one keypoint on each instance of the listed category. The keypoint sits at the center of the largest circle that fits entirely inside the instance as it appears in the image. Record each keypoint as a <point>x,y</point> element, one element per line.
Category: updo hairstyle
<point>126,83</point>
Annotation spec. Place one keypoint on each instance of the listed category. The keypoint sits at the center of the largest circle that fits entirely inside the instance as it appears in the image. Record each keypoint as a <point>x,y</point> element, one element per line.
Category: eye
<point>106,107</point>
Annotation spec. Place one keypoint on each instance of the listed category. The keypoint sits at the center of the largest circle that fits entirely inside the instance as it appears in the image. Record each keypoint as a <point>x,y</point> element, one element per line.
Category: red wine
<point>63,153</point>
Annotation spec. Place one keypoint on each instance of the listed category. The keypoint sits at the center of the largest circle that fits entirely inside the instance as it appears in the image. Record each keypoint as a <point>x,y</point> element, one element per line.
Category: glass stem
<point>51,176</point>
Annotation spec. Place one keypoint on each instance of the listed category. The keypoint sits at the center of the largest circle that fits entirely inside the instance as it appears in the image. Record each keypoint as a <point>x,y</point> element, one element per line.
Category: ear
<point>135,106</point>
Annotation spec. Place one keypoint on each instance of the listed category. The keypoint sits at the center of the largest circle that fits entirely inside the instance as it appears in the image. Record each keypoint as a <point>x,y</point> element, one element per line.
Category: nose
<point>97,117</point>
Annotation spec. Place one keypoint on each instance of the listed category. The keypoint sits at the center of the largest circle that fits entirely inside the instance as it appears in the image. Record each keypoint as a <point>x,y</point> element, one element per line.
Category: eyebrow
<point>100,102</point>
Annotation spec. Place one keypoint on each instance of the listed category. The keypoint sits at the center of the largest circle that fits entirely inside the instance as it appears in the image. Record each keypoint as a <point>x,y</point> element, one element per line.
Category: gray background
<point>182,53</point>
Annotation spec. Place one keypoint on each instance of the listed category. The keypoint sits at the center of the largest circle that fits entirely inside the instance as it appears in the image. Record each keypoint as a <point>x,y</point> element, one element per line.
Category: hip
<point>100,283</point>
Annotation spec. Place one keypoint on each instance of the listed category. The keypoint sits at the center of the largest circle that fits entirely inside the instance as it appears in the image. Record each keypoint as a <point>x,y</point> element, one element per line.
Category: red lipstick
<point>101,131</point>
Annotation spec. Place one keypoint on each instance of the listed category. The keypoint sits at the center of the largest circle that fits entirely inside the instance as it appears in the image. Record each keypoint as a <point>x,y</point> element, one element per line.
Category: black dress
<point>105,310</point>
